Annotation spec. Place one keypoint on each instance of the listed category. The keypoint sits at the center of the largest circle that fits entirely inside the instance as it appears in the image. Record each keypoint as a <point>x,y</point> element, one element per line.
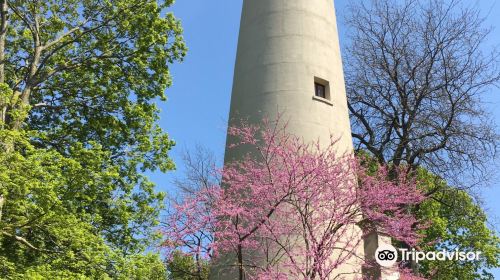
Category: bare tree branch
<point>415,74</point>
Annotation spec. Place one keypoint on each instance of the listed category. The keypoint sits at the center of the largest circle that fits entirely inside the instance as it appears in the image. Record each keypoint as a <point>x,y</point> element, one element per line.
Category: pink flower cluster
<point>291,210</point>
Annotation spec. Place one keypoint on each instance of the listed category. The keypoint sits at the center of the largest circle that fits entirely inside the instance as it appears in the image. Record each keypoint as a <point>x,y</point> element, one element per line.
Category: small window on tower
<point>322,90</point>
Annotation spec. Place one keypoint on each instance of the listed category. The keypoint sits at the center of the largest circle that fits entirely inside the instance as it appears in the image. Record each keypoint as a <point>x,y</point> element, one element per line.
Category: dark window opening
<point>320,90</point>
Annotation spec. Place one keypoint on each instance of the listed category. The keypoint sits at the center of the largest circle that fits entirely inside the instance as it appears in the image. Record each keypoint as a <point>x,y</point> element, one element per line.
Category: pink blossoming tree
<point>290,209</point>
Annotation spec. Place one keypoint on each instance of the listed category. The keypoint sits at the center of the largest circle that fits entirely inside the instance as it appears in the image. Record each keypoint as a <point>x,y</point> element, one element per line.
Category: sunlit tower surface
<point>289,62</point>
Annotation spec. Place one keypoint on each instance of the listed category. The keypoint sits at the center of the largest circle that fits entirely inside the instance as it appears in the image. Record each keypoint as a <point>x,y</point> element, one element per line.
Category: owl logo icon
<point>386,255</point>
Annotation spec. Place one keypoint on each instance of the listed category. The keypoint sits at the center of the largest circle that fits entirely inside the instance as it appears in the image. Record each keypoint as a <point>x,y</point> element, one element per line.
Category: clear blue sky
<point>198,102</point>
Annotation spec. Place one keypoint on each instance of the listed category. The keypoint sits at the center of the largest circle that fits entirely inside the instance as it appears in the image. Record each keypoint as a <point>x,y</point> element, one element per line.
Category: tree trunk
<point>3,36</point>
<point>240,263</point>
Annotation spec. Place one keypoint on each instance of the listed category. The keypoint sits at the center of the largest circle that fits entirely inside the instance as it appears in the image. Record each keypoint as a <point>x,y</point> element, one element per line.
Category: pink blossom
<point>297,203</point>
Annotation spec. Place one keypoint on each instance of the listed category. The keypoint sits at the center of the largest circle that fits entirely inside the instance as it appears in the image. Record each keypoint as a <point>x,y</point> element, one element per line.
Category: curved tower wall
<point>283,47</point>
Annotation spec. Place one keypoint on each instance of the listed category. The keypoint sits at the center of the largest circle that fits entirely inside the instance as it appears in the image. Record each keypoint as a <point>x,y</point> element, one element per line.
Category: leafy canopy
<point>457,222</point>
<point>184,267</point>
<point>79,86</point>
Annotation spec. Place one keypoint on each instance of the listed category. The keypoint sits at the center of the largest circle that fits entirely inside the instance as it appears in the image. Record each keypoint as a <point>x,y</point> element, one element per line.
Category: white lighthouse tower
<point>289,63</point>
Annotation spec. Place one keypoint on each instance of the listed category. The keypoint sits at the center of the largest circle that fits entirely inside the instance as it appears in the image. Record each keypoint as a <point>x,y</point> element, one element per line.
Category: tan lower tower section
<point>286,49</point>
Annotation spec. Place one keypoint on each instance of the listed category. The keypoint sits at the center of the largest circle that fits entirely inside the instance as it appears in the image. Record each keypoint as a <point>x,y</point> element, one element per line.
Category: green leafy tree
<point>457,222</point>
<point>184,267</point>
<point>142,267</point>
<point>79,83</point>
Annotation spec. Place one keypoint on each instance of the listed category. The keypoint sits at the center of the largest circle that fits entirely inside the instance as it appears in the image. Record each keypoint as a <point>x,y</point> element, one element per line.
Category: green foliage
<point>142,267</point>
<point>78,128</point>
<point>5,93</point>
<point>457,221</point>
<point>184,267</point>
<point>59,207</point>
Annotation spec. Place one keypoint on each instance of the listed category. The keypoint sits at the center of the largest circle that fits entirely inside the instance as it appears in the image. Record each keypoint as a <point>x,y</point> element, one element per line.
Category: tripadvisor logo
<point>386,255</point>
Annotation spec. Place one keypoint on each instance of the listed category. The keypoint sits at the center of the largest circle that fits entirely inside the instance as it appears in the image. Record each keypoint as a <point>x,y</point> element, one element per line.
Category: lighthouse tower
<point>289,63</point>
